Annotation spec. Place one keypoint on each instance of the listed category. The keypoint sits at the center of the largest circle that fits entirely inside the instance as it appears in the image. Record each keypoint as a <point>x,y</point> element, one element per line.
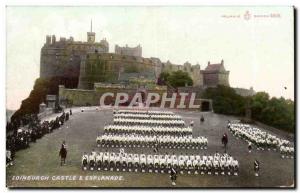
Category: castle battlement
<point>130,51</point>
<point>84,62</point>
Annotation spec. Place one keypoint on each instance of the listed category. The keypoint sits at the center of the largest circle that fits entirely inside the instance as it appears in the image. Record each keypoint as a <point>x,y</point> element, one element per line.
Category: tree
<point>179,79</point>
<point>163,78</point>
<point>258,103</point>
<point>276,112</point>
<point>225,100</point>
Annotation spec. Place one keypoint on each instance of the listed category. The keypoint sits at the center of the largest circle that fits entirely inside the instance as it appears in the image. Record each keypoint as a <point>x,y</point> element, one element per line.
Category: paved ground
<point>80,132</point>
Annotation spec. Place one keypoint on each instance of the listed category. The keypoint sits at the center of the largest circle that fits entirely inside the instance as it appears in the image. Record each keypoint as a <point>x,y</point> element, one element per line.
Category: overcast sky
<point>257,51</point>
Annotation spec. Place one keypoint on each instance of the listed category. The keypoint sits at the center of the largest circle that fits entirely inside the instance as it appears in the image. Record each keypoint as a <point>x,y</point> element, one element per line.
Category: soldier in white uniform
<point>136,161</point>
<point>92,161</point>
<point>189,165</point>
<point>229,165</point>
<point>98,140</point>
<point>162,163</point>
<point>174,162</point>
<point>124,161</point>
<point>106,160</point>
<point>150,163</point>
<point>118,161</point>
<point>112,161</point>
<point>156,163</point>
<point>202,163</point>
<point>169,162</point>
<point>223,164</point>
<point>209,164</point>
<point>130,162</point>
<point>143,162</point>
<point>99,161</point>
<point>235,165</point>
<point>181,163</point>
<point>216,165</point>
<point>195,166</point>
<point>84,161</point>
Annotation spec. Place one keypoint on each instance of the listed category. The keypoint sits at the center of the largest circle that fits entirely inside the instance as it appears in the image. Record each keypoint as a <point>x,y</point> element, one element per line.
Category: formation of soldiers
<point>139,112</point>
<point>148,116</point>
<point>261,139</point>
<point>164,141</point>
<point>287,151</point>
<point>155,129</point>
<point>144,130</point>
<point>27,130</point>
<point>217,164</point>
<point>135,121</point>
<point>161,132</point>
<point>152,118</point>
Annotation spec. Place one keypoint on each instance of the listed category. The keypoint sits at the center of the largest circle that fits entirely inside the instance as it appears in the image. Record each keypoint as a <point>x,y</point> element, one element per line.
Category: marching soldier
<point>63,153</point>
<point>256,167</point>
<point>173,176</point>
<point>192,124</point>
<point>249,147</point>
<point>84,161</point>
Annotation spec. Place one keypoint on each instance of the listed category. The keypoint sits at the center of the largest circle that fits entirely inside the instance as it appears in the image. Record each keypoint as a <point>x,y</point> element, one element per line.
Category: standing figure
<point>249,147</point>
<point>256,167</point>
<point>225,141</point>
<point>63,153</point>
<point>202,118</point>
<point>173,176</point>
<point>192,123</point>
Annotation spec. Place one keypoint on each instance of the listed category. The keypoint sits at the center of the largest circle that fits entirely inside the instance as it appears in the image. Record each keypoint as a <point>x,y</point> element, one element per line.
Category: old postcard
<point>155,97</point>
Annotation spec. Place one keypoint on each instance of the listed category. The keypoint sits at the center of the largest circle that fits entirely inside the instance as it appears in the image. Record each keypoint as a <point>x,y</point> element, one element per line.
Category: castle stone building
<point>128,51</point>
<point>113,68</point>
<point>215,74</point>
<point>62,58</point>
<point>211,76</point>
<point>83,65</point>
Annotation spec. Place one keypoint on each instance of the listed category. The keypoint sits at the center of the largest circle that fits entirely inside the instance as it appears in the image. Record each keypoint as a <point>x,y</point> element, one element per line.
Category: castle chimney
<point>53,39</point>
<point>222,62</point>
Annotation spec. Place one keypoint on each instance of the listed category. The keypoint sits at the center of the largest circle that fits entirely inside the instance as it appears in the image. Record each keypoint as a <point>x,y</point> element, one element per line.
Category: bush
<point>276,112</point>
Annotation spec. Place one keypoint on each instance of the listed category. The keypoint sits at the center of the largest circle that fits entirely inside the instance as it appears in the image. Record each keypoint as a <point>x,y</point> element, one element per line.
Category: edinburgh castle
<point>86,63</point>
<point>83,66</point>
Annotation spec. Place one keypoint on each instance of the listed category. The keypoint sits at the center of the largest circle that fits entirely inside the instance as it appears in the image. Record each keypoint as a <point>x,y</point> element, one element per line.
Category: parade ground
<point>80,132</point>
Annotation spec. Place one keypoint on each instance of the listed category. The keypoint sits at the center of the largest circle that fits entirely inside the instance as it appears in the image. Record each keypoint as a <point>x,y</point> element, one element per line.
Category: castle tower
<point>91,36</point>
<point>82,83</point>
<point>48,40</point>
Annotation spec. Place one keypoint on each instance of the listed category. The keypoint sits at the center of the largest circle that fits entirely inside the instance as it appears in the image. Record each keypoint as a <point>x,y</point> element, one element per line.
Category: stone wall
<point>244,91</point>
<point>107,67</point>
<point>79,97</point>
